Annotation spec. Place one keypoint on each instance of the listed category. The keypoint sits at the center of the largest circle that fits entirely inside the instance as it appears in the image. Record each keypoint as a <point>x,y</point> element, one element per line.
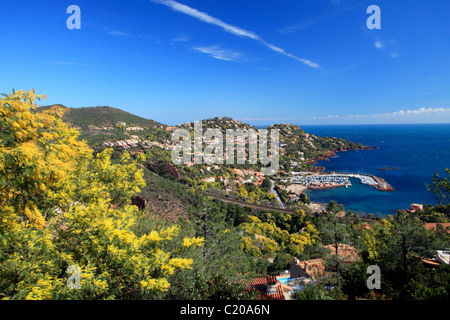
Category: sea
<point>407,157</point>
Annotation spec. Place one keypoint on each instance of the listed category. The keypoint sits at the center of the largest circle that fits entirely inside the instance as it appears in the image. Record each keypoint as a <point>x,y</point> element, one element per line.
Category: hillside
<point>298,149</point>
<point>107,126</point>
<point>88,117</point>
<point>221,123</point>
<point>101,124</point>
<point>298,146</point>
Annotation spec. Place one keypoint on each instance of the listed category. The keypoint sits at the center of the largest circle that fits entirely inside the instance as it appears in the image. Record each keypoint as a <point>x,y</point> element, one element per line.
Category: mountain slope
<point>104,116</point>
<point>101,124</point>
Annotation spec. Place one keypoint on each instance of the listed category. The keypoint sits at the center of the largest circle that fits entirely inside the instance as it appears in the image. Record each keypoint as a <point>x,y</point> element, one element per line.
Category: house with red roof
<point>434,226</point>
<point>269,288</point>
<point>313,268</point>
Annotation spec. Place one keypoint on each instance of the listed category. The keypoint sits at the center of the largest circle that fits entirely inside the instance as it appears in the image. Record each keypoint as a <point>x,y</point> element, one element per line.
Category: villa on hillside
<point>312,269</point>
<point>269,288</point>
<point>414,207</point>
<point>134,129</point>
<point>346,253</point>
<point>315,268</point>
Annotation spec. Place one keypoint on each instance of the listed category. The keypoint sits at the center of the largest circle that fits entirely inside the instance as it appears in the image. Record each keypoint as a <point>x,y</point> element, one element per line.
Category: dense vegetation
<point>100,124</point>
<point>304,149</point>
<point>64,204</point>
<point>87,117</point>
<point>65,210</point>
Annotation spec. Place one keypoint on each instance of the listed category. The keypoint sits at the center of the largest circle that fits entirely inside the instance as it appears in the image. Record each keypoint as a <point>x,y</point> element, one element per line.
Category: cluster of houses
<point>243,176</point>
<point>123,124</point>
<point>167,145</point>
<point>300,273</point>
<point>124,144</point>
<point>135,141</point>
<point>248,176</point>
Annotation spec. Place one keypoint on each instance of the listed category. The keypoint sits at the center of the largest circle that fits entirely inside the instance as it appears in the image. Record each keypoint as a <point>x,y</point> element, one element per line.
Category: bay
<point>412,152</point>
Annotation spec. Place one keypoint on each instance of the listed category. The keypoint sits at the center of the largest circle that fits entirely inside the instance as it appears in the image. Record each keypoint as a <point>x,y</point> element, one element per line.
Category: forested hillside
<point>131,226</point>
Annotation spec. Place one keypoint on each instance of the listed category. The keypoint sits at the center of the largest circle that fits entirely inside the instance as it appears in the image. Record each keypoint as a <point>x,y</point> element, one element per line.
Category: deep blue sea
<point>417,151</point>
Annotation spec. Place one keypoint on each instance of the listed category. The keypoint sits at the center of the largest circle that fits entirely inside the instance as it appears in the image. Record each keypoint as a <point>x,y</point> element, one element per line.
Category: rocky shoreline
<point>332,153</point>
<point>381,184</point>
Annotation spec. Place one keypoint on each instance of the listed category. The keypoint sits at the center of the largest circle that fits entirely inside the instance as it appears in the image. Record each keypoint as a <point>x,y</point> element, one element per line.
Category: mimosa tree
<point>61,208</point>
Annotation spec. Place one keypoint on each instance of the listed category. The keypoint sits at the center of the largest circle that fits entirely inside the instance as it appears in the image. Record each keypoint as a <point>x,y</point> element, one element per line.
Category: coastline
<point>377,182</point>
<point>332,154</point>
<point>332,180</point>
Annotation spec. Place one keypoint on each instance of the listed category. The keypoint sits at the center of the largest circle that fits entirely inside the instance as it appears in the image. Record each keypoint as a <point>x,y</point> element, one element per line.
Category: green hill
<point>298,149</point>
<point>221,123</point>
<point>297,146</point>
<point>100,124</point>
<point>88,117</point>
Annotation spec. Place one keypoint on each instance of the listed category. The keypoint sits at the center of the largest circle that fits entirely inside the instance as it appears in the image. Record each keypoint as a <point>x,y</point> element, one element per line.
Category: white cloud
<point>181,38</point>
<point>399,113</point>
<point>202,16</point>
<point>119,33</point>
<point>388,46</point>
<point>401,116</point>
<point>206,18</point>
<point>123,34</point>
<point>269,119</point>
<point>379,44</point>
<point>424,110</point>
<point>218,53</point>
<point>310,22</point>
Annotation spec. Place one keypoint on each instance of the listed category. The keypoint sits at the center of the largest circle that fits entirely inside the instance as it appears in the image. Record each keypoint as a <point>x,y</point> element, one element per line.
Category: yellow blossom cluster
<point>60,206</point>
<point>262,237</point>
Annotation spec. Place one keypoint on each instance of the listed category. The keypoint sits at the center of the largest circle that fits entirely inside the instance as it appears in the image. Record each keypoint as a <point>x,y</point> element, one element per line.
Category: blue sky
<point>259,61</point>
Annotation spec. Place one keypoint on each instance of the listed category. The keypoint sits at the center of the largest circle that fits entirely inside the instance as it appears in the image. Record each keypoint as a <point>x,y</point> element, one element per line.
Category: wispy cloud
<point>317,19</point>
<point>181,38</point>
<point>436,78</point>
<point>339,70</point>
<point>379,44</point>
<point>270,119</point>
<point>393,114</point>
<point>390,46</point>
<point>126,34</point>
<point>119,33</point>
<point>416,111</point>
<point>202,16</point>
<point>207,18</point>
<point>219,53</point>
<point>439,113</point>
<point>280,50</point>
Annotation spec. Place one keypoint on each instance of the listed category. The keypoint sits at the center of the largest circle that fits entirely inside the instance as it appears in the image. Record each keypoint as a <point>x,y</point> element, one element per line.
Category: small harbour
<point>334,180</point>
<point>407,158</point>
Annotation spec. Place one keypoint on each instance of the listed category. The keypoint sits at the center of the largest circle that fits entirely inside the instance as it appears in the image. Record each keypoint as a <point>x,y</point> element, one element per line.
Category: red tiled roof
<point>346,252</point>
<point>365,226</point>
<point>260,284</point>
<point>314,268</point>
<point>430,262</point>
<point>433,226</point>
<point>340,214</point>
